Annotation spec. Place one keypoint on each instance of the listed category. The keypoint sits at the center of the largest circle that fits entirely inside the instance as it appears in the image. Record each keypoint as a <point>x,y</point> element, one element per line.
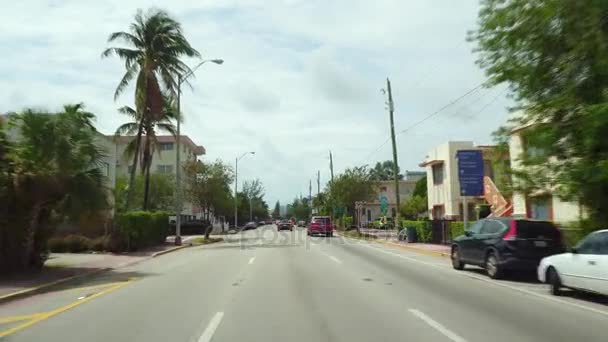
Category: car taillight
<point>511,234</point>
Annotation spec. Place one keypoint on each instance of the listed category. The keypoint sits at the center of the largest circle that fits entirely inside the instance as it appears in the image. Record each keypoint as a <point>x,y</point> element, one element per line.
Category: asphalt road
<point>268,286</point>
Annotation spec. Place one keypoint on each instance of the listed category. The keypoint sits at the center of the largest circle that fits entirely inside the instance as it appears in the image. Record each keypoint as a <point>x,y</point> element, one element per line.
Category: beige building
<point>370,210</point>
<point>163,160</point>
<point>542,205</point>
<point>443,186</point>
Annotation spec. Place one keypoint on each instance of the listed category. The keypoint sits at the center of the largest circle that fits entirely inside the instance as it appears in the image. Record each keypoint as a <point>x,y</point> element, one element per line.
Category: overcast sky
<point>300,77</point>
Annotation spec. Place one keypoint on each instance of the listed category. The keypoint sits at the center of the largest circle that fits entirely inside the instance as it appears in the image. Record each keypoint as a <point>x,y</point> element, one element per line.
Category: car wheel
<point>331,234</point>
<point>555,283</point>
<point>492,268</point>
<point>456,261</point>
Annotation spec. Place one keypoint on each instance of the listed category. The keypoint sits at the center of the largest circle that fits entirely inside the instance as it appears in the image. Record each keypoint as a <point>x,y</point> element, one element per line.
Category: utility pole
<point>391,109</point>
<point>318,182</point>
<point>310,190</point>
<point>331,170</point>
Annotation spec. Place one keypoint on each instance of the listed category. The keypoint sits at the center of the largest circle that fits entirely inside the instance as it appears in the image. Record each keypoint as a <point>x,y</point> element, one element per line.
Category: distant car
<point>251,225</point>
<point>585,267</point>
<point>500,244</point>
<point>261,223</point>
<point>321,225</point>
<point>284,224</point>
<point>301,223</point>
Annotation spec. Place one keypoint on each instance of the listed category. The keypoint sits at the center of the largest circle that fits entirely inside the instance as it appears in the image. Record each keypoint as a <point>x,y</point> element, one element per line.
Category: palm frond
<point>128,128</point>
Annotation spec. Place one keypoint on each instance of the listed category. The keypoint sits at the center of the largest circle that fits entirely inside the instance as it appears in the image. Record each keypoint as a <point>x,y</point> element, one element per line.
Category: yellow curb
<point>415,249</point>
<point>46,315</point>
<point>169,250</point>
<point>35,289</point>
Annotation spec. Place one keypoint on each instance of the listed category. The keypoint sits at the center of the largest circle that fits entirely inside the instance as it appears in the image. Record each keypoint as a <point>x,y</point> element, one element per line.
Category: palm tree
<point>54,173</point>
<point>384,171</point>
<point>156,44</point>
<point>164,123</point>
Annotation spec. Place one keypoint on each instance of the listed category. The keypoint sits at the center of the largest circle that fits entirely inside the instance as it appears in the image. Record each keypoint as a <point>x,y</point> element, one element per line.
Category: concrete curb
<point>33,290</point>
<point>154,255</point>
<point>36,289</point>
<point>415,249</point>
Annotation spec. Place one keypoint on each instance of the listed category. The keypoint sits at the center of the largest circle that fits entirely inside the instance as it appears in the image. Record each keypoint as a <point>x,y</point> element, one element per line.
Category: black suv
<point>501,243</point>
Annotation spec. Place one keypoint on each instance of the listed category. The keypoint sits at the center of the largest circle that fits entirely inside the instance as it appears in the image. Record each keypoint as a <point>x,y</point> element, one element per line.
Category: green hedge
<point>456,228</point>
<point>142,229</point>
<point>423,229</point>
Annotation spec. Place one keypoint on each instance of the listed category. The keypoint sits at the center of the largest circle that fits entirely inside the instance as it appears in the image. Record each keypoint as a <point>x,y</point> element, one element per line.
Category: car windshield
<point>303,170</point>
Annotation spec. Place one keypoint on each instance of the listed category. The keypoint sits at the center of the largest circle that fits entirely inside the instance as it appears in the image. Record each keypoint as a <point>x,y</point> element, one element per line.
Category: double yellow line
<point>41,316</point>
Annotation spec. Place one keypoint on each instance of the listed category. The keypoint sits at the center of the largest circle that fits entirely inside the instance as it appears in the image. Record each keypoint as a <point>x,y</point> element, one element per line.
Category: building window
<point>369,215</point>
<point>540,208</point>
<point>164,168</point>
<point>166,146</point>
<point>438,174</point>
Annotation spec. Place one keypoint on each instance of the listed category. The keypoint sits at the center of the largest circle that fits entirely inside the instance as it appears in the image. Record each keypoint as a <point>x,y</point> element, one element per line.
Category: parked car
<point>251,225</point>
<point>261,223</point>
<point>501,244</point>
<point>284,224</point>
<point>585,267</point>
<point>301,223</point>
<point>321,225</point>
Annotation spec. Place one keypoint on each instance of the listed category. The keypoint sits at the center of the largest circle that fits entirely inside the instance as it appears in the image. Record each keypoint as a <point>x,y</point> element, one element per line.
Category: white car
<point>585,267</point>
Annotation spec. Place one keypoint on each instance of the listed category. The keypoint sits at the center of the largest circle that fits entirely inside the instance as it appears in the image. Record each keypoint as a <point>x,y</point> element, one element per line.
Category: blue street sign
<point>470,172</point>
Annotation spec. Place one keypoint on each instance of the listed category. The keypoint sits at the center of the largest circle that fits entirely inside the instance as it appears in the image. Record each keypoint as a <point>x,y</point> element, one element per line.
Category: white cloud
<point>300,77</point>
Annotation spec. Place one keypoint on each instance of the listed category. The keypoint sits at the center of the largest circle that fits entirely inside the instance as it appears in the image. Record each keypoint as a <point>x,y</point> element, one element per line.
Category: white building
<point>444,200</point>
<point>541,205</point>
<point>163,160</point>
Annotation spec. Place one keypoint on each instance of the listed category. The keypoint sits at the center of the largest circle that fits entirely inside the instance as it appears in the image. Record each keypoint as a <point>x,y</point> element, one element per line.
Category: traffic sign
<point>470,172</point>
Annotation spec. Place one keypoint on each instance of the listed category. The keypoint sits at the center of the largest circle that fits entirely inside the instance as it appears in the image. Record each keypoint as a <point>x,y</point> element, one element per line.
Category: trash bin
<point>411,234</point>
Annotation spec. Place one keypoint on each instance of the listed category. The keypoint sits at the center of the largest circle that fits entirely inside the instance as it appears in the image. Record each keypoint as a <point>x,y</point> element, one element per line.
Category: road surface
<point>268,286</point>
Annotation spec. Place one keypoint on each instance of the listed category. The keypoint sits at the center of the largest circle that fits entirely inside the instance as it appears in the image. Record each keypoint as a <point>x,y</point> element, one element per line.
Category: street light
<point>178,198</point>
<point>236,184</point>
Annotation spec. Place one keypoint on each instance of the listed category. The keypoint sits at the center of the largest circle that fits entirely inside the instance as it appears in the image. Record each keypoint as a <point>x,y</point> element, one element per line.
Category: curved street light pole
<point>236,184</point>
<point>178,197</point>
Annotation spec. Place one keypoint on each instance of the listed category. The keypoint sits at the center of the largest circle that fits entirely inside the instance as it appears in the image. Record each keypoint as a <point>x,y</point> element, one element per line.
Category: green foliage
<point>300,209</point>
<point>456,228</point>
<point>352,185</point>
<point>347,221</point>
<point>384,171</point>
<point>54,175</point>
<point>142,229</point>
<point>276,212</point>
<point>423,229</point>
<point>554,55</point>
<point>421,188</point>
<point>161,194</point>
<point>208,186</point>
<point>414,207</point>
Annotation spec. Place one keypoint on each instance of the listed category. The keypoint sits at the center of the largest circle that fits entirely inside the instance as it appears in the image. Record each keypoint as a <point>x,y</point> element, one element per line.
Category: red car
<point>321,225</point>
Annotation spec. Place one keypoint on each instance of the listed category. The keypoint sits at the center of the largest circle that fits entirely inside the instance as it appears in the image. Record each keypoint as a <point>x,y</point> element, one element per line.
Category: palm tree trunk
<point>30,235</point>
<point>146,167</point>
<point>147,184</point>
<point>135,157</point>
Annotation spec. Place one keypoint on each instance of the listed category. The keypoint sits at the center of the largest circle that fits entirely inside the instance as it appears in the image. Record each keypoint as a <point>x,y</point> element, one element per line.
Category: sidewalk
<point>390,237</point>
<point>60,266</point>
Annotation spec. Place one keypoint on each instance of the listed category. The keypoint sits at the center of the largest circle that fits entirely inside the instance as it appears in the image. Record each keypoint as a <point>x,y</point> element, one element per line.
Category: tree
<point>554,54</point>
<point>53,174</point>
<point>414,207</point>
<point>384,171</point>
<point>276,213</point>
<point>352,185</point>
<point>208,186</point>
<point>161,192</point>
<point>156,44</point>
<point>252,195</point>
<point>421,188</point>
<point>162,123</point>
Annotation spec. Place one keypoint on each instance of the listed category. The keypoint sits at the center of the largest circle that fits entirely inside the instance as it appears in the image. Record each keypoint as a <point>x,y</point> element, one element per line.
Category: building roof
<point>199,150</point>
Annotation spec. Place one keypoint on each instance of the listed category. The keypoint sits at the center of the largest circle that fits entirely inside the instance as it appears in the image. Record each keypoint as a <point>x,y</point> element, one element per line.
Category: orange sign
<point>500,206</point>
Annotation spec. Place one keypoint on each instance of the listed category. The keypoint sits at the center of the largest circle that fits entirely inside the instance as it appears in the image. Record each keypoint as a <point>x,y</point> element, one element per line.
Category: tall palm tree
<point>156,44</point>
<point>150,127</point>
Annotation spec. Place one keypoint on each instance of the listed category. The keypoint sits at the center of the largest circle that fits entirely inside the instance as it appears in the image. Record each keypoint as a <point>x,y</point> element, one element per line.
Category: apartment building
<point>370,210</point>
<point>542,205</point>
<point>443,186</point>
<point>163,160</point>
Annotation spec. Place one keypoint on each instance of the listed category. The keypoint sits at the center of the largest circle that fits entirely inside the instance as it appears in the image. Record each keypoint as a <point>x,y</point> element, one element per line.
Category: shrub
<point>141,229</point>
<point>347,221</point>
<point>456,228</point>
<point>69,244</point>
<point>423,229</point>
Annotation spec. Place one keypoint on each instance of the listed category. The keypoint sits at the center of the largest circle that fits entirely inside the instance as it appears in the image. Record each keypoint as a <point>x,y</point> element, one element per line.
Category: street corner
<point>21,314</point>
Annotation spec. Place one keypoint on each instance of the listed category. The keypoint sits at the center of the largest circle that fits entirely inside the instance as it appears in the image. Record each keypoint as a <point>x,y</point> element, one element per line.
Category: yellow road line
<point>46,315</point>
<point>19,318</point>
